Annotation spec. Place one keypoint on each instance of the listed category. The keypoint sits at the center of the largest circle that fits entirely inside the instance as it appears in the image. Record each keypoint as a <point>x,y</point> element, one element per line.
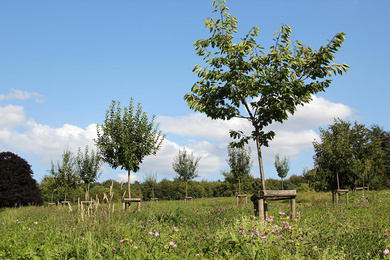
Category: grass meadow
<point>203,229</point>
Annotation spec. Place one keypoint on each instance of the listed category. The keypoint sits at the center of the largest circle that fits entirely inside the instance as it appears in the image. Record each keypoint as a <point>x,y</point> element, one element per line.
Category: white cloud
<point>123,177</point>
<point>22,95</point>
<point>316,113</point>
<point>11,116</point>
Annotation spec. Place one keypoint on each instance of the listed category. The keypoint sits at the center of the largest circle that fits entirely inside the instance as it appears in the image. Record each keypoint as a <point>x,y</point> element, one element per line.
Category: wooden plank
<point>278,193</point>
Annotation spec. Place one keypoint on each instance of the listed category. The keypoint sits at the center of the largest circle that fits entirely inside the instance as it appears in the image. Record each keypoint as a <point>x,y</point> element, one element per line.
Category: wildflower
<point>320,249</point>
<point>156,234</point>
<point>216,251</point>
<point>386,251</point>
<point>172,244</point>
<point>113,249</point>
<point>35,223</point>
<point>175,229</point>
<point>281,213</point>
<point>385,235</point>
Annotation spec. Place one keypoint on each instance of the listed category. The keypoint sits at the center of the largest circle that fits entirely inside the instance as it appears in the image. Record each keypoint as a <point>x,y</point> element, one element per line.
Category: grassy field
<point>202,229</point>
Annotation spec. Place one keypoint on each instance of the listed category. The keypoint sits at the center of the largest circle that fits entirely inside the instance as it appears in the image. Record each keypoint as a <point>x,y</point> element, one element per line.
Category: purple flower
<point>386,251</point>
<point>113,249</point>
<point>172,244</point>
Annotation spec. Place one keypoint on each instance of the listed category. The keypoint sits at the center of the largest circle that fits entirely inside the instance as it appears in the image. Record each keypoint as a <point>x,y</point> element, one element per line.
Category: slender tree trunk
<point>363,186</point>
<point>239,186</point>
<point>65,195</point>
<point>337,174</point>
<point>282,184</point>
<point>128,184</point>
<point>260,162</point>
<point>186,190</point>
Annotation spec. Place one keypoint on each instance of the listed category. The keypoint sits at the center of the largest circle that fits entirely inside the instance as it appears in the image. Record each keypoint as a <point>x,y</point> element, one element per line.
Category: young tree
<point>65,172</point>
<point>185,165</point>
<point>282,167</point>
<point>240,80</point>
<point>126,137</point>
<point>17,186</point>
<point>240,163</point>
<point>88,167</point>
<point>150,182</point>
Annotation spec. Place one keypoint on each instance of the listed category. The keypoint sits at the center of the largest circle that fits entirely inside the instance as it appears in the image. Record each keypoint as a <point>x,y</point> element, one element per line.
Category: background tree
<point>185,165</point>
<point>65,172</point>
<point>240,163</point>
<point>17,186</point>
<point>241,80</point>
<point>126,137</point>
<point>282,166</point>
<point>342,152</point>
<point>150,182</point>
<point>88,167</point>
<point>48,188</point>
<point>381,165</point>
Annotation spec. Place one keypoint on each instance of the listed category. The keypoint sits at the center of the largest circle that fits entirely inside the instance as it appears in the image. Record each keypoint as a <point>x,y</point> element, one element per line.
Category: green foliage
<point>127,136</point>
<point>282,167</point>
<point>64,173</point>
<point>185,165</point>
<point>88,166</point>
<point>268,86</point>
<point>240,164</point>
<point>346,155</point>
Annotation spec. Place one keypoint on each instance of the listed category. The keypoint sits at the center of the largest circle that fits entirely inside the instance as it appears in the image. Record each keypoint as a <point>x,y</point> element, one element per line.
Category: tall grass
<point>202,229</point>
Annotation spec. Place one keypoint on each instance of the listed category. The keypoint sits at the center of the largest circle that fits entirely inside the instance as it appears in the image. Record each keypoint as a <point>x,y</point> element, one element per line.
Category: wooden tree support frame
<point>65,203</point>
<point>260,198</point>
<point>338,193</point>
<point>87,202</point>
<point>240,196</point>
<point>361,189</point>
<point>187,198</point>
<point>129,201</point>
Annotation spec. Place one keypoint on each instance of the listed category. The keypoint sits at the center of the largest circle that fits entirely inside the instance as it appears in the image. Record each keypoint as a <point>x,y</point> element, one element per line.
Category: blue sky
<point>63,62</point>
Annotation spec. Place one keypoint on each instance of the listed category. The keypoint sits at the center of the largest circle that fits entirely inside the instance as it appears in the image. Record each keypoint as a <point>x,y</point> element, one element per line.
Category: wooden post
<point>261,209</point>
<point>293,208</point>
